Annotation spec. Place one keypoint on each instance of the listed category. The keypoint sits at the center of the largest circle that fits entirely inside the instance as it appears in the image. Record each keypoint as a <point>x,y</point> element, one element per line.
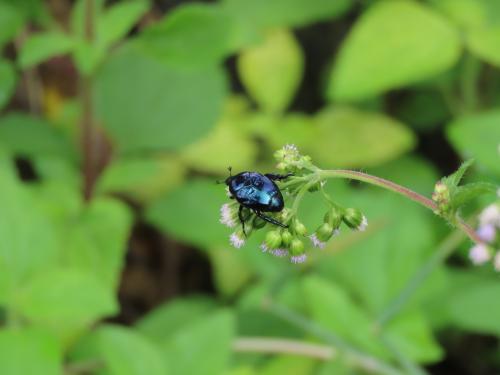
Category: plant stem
<point>284,346</point>
<point>444,250</point>
<point>87,124</point>
<point>355,357</point>
<point>408,193</point>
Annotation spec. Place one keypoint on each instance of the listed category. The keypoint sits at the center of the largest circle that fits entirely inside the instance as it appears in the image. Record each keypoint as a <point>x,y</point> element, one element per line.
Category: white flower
<point>316,242</point>
<point>298,258</point>
<point>236,240</point>
<point>291,148</point>
<point>228,193</point>
<point>280,253</point>
<point>490,215</point>
<point>479,254</point>
<point>487,232</point>
<point>496,261</point>
<point>227,216</point>
<point>264,247</point>
<point>364,223</point>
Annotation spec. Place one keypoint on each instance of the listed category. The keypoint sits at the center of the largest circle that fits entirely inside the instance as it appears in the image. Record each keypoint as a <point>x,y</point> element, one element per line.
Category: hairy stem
<point>389,185</point>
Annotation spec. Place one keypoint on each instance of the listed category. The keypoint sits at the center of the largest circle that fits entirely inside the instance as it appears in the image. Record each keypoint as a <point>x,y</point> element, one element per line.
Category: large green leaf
<point>65,300</point>
<point>483,42</point>
<point>29,351</point>
<point>349,137</point>
<point>148,105</point>
<point>123,351</point>
<point>272,70</point>
<point>191,213</point>
<point>8,79</point>
<point>40,47</point>
<point>192,35</point>
<point>393,44</point>
<point>477,136</point>
<point>289,364</point>
<point>11,20</point>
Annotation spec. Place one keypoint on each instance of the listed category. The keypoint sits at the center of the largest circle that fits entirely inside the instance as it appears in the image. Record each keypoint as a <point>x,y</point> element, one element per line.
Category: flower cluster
<point>489,232</point>
<point>288,241</point>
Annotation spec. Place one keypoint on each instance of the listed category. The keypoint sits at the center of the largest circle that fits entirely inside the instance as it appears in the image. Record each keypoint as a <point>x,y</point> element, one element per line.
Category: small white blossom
<point>298,258</point>
<point>363,225</point>
<point>487,232</point>
<point>264,247</point>
<point>490,215</point>
<point>227,216</point>
<point>236,240</point>
<point>316,242</point>
<point>496,261</point>
<point>479,254</point>
<point>290,148</point>
<point>280,253</point>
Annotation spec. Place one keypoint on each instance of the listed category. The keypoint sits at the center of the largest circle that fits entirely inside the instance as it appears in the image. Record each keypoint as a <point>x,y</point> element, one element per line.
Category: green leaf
<point>65,300</point>
<point>29,351</point>
<point>202,348</point>
<point>476,136</point>
<point>32,137</point>
<point>231,271</point>
<point>147,105</point>
<point>142,178</point>
<point>466,193</point>
<point>205,28</point>
<point>191,213</point>
<point>43,46</point>
<point>8,79</point>
<point>406,41</point>
<point>351,138</point>
<point>96,240</point>
<point>114,23</point>
<point>11,20</point>
<point>289,364</point>
<point>454,179</point>
<point>483,42</point>
<point>272,71</point>
<point>173,317</point>
<point>123,351</point>
<point>466,13</point>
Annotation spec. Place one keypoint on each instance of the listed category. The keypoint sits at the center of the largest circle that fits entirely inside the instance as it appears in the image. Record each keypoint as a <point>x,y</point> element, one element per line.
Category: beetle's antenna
<point>230,170</point>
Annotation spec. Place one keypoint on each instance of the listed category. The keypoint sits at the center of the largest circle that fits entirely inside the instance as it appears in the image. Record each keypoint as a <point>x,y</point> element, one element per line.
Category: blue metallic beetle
<point>258,193</point>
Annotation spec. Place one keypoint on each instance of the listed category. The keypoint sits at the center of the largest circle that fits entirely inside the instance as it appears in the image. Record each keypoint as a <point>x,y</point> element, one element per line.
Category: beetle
<point>257,192</point>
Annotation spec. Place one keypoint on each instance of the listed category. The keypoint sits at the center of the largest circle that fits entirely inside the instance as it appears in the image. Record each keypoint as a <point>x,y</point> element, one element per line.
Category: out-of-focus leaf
<point>331,307</point>
<point>272,71</point>
<point>40,47</point>
<point>406,42</point>
<point>29,242</point>
<point>205,28</point>
<point>172,317</point>
<point>11,20</point>
<point>477,136</point>
<point>147,105</point>
<point>289,364</point>
<point>191,213</point>
<point>65,300</point>
<point>8,79</point>
<point>96,240</point>
<point>231,272</point>
<point>483,42</point>
<point>466,13</point>
<point>466,193</point>
<point>124,352</point>
<point>348,137</point>
<point>29,351</point>
<point>77,21</point>
<point>28,136</point>
<point>117,20</point>
<point>143,178</point>
<point>203,347</point>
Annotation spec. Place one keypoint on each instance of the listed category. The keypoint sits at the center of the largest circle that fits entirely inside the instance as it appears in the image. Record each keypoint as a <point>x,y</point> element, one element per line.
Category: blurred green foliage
<point>162,99</point>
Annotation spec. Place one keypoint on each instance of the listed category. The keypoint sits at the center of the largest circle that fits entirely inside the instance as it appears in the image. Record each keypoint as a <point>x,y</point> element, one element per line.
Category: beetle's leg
<point>278,177</point>
<point>240,216</point>
<point>269,219</point>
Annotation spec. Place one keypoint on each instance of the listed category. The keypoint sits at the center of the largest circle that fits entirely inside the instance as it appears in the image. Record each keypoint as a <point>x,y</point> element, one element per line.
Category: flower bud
<point>296,247</point>
<point>299,228</point>
<point>353,218</point>
<point>324,232</point>
<point>334,217</point>
<point>273,239</point>
<point>286,237</point>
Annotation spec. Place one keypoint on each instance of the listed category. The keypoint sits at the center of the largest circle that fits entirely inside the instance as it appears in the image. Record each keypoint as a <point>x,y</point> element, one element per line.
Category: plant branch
<point>284,346</point>
<point>408,193</point>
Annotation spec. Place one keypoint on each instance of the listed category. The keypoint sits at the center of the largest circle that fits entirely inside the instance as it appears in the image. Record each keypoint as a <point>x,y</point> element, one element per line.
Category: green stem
<point>391,186</point>
<point>396,305</point>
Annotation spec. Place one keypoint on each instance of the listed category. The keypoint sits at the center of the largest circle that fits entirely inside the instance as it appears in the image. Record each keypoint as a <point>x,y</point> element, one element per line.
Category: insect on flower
<point>257,192</point>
